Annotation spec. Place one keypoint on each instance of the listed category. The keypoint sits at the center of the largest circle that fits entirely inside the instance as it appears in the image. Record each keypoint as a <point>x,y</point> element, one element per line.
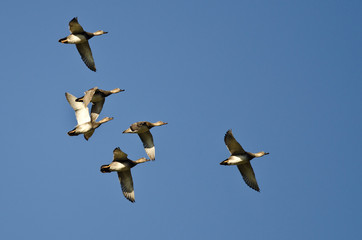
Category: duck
<point>122,165</point>
<point>85,125</point>
<point>80,38</point>
<point>241,159</point>
<point>143,130</point>
<point>97,97</point>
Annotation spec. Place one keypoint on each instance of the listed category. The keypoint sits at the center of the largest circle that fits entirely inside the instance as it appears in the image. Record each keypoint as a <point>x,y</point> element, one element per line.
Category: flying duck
<point>97,97</point>
<point>241,159</point>
<point>85,125</point>
<point>80,38</point>
<point>143,131</point>
<point>122,165</point>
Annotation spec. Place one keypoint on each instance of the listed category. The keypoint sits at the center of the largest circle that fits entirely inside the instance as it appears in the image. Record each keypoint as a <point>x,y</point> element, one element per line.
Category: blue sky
<point>285,76</point>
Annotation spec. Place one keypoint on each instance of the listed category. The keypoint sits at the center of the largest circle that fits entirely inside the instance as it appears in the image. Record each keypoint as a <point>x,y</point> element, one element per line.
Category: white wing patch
<point>147,141</point>
<point>81,111</point>
<point>150,152</point>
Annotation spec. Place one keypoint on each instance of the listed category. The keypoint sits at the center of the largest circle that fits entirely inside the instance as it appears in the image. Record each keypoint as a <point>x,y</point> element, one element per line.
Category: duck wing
<point>75,27</point>
<point>86,55</point>
<point>125,178</point>
<point>231,143</point>
<point>118,155</point>
<point>88,95</point>
<point>81,111</point>
<point>96,109</point>
<point>147,140</point>
<point>248,174</point>
<point>88,134</point>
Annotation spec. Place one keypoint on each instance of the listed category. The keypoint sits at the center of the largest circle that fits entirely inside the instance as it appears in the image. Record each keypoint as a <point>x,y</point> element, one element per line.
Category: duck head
<point>100,32</point>
<point>159,123</point>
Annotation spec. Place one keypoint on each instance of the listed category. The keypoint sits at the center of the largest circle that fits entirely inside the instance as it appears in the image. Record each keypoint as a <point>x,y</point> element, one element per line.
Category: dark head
<point>105,169</point>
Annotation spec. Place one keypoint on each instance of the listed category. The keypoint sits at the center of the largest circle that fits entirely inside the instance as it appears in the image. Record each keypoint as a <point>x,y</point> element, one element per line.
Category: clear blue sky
<point>285,76</point>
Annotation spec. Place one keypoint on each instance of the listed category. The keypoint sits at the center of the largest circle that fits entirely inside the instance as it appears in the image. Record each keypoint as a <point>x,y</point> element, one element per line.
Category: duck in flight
<point>97,97</point>
<point>122,165</point>
<point>241,159</point>
<point>85,125</point>
<point>143,131</point>
<point>80,38</point>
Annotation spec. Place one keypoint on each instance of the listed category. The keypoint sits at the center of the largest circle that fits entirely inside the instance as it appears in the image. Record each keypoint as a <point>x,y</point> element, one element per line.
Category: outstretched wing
<point>96,109</point>
<point>75,27</point>
<point>119,155</point>
<point>86,55</point>
<point>248,175</point>
<point>125,178</point>
<point>81,111</point>
<point>147,140</point>
<point>231,143</point>
<point>88,95</point>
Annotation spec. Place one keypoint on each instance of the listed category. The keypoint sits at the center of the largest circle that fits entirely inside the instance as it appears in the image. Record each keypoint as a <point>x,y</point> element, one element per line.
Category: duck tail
<point>72,133</point>
<point>63,40</point>
<point>105,169</point>
<point>225,162</point>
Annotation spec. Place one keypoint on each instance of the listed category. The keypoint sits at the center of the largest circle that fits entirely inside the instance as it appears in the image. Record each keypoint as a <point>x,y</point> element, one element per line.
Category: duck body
<point>237,159</point>
<point>76,38</point>
<point>118,166</point>
<point>139,127</point>
<point>81,129</point>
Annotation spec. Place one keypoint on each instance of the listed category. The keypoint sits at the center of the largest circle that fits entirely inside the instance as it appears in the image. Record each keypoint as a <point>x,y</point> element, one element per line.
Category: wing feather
<point>248,174</point>
<point>231,143</point>
<point>75,27</point>
<point>147,140</point>
<point>81,111</point>
<point>119,155</point>
<point>96,109</point>
<point>125,178</point>
<point>88,95</point>
<point>86,55</point>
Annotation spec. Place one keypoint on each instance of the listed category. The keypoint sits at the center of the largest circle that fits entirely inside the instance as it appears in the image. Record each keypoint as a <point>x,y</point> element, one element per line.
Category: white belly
<point>117,166</point>
<point>83,128</point>
<point>75,39</point>
<point>235,160</point>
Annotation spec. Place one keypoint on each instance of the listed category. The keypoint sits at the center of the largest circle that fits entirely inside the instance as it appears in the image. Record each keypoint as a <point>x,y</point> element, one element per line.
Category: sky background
<point>285,76</point>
